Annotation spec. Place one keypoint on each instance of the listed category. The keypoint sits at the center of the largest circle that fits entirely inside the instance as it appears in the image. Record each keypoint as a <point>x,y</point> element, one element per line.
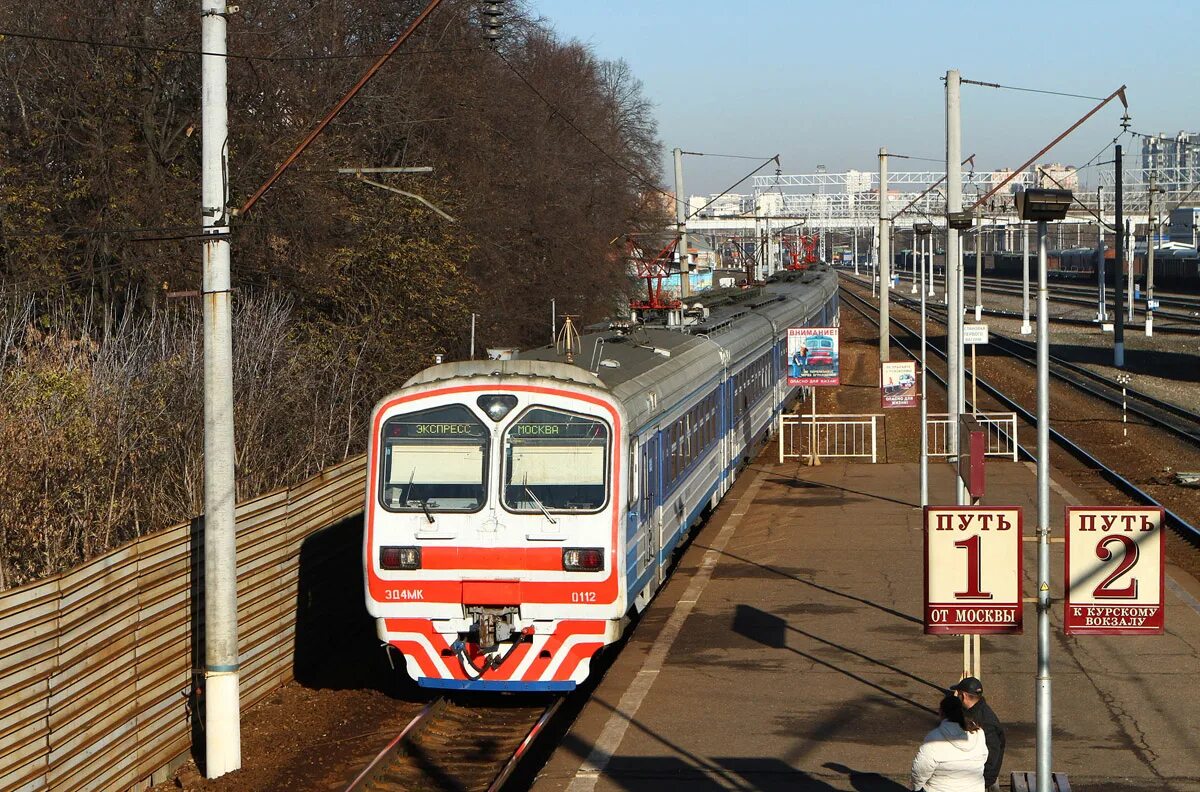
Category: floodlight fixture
<point>960,221</point>
<point>923,229</point>
<point>1042,205</point>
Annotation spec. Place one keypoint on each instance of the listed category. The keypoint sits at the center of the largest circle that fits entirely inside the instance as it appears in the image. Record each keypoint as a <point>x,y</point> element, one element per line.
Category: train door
<point>648,536</point>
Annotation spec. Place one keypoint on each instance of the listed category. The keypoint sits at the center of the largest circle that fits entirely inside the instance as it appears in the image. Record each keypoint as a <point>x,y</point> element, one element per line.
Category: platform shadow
<point>797,483</point>
<point>866,782</point>
<point>772,631</point>
<point>818,586</point>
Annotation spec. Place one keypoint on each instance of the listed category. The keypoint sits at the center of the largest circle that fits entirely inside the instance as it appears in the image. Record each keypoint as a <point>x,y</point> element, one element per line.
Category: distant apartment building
<point>1054,176</point>
<point>857,181</point>
<point>728,205</point>
<point>1173,161</point>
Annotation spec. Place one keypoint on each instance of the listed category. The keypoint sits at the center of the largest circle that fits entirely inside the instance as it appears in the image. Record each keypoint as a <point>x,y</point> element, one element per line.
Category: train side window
<point>634,476</point>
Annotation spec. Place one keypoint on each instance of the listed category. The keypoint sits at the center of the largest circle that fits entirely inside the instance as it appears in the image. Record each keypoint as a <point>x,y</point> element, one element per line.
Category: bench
<point>1026,781</point>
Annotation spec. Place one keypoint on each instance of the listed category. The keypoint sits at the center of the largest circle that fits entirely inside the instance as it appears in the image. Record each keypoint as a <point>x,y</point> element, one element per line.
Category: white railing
<point>833,436</point>
<point>1001,431</point>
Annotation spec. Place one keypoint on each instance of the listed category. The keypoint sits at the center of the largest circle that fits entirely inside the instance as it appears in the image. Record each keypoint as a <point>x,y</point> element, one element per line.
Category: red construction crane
<point>653,271</point>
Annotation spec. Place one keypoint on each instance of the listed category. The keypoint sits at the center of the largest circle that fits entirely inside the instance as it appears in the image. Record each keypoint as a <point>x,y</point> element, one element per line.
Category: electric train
<point>518,511</point>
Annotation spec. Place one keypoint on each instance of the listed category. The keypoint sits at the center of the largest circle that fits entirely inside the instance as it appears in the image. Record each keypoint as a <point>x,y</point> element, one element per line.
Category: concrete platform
<point>787,653</point>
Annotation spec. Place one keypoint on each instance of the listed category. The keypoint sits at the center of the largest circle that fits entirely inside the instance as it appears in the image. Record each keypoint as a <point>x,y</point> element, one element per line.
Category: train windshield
<point>555,461</point>
<point>434,460</point>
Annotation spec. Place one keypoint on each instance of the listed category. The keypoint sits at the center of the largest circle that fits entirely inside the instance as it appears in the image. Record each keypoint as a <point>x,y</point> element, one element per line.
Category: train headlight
<point>400,558</point>
<point>497,405</point>
<point>583,559</point>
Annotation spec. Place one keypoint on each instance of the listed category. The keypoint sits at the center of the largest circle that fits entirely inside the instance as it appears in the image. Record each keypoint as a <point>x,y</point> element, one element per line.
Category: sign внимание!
<point>972,570</point>
<point>812,356</point>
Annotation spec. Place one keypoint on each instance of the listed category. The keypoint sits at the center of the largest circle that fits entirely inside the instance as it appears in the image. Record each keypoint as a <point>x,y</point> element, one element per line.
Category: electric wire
<point>724,192</point>
<point>1028,90</point>
<point>725,156</point>
<point>237,56</point>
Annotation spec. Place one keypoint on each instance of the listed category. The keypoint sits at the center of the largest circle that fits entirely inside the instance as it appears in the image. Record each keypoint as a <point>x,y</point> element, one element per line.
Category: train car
<point>519,511</point>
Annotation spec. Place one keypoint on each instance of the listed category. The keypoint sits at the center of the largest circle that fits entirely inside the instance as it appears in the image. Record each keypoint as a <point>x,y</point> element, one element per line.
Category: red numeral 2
<point>1105,590</point>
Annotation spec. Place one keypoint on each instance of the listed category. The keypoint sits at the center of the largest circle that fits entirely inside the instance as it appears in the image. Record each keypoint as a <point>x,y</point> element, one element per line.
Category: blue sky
<point>830,82</point>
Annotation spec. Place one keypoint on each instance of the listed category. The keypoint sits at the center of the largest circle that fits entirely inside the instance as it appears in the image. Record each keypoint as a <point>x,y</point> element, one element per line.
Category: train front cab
<point>492,543</point>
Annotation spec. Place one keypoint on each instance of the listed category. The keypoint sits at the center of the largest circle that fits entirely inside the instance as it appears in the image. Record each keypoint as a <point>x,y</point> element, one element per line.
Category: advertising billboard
<point>812,356</point>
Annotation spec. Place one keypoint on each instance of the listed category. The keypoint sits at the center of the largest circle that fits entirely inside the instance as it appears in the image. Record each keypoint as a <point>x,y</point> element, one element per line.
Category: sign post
<point>813,360</point>
<point>1114,571</point>
<point>974,334</point>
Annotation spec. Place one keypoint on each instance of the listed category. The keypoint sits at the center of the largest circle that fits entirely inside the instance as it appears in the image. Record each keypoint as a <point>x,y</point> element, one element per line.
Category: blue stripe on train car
<point>494,685</point>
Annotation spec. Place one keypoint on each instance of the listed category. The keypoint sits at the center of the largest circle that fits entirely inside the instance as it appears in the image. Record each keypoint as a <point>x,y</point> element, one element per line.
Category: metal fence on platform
<point>831,436</point>
<point>1001,430</point>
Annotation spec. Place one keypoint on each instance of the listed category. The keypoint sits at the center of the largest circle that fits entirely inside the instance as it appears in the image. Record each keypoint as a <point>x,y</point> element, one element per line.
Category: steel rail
<point>380,762</point>
<point>525,745</point>
<point>391,759</point>
<point>1173,519</point>
<point>1164,414</point>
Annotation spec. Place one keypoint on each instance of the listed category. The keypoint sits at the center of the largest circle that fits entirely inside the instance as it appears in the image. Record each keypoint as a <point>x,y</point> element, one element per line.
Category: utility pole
<point>1102,313</point>
<point>681,250</point>
<point>979,267</point>
<point>220,692</point>
<point>953,273</point>
<point>885,260</point>
<point>1151,241</point>
<point>1128,264</point>
<point>1025,329</point>
<point>1119,282</point>
<point>1042,704</point>
<point>854,231</point>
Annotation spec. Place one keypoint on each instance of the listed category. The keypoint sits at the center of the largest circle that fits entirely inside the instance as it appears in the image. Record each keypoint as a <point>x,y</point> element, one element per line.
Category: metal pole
<point>473,336</point>
<point>1129,268</point>
<point>924,404</point>
<point>953,273</point>
<point>1025,328</point>
<point>979,268</point>
<point>1102,312</point>
<point>1151,240</point>
<point>1044,780</point>
<point>1118,263</point>
<point>221,687</point>
<point>929,261</point>
<point>854,230</point>
<point>553,322</point>
<point>885,260</point>
<point>681,250</point>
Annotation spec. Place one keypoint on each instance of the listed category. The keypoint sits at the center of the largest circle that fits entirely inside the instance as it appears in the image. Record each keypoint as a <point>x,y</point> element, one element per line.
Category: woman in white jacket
<point>952,757</point>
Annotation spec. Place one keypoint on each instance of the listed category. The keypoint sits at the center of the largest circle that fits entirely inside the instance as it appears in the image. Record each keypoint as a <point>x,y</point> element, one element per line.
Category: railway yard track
<point>458,746</point>
<point>1091,445</point>
<point>1180,314</point>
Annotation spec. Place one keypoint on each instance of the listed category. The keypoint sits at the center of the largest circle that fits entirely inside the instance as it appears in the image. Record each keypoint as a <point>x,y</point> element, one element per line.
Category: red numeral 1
<point>974,569</point>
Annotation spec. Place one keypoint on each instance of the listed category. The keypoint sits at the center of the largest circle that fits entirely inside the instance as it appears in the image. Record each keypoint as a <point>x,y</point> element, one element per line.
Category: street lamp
<point>1042,206</point>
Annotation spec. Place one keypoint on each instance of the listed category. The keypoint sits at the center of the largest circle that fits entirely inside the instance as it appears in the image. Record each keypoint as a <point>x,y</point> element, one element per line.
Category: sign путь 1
<point>1114,571</point>
<point>972,570</point>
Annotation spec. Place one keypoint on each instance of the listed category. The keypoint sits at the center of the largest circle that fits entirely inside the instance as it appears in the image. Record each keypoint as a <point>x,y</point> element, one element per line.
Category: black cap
<point>969,685</point>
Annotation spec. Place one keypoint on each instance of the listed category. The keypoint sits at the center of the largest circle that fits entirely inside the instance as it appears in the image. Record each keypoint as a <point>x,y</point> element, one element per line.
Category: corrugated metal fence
<point>96,663</point>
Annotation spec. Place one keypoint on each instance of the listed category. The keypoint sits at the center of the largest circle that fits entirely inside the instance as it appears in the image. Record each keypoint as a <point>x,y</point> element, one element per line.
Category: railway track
<point>909,339</point>
<point>457,747</point>
<point>1185,322</point>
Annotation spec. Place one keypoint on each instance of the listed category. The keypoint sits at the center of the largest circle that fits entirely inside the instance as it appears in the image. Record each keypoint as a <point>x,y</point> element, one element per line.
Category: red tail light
<point>583,559</point>
<point>400,558</point>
